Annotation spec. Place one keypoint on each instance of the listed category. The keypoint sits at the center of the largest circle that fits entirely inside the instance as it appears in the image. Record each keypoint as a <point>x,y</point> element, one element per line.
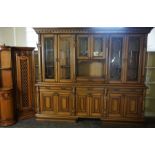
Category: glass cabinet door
<point>49,54</point>
<point>66,57</point>
<point>83,47</point>
<point>98,49</point>
<point>116,46</point>
<point>133,58</point>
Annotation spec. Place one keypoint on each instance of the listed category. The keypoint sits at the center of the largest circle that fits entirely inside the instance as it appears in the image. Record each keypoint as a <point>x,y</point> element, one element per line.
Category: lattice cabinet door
<point>24,85</point>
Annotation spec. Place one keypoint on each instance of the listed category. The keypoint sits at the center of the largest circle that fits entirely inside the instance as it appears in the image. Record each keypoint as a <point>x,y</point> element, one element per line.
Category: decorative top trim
<point>78,30</point>
<point>16,48</point>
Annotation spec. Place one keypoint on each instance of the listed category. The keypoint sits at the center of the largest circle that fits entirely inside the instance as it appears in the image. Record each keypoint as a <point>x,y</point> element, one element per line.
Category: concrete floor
<point>83,123</point>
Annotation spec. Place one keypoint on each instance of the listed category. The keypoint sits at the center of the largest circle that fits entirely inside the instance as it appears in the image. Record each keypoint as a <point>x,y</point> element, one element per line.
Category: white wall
<point>22,36</point>
<point>18,36</point>
<point>151,41</point>
<point>7,36</point>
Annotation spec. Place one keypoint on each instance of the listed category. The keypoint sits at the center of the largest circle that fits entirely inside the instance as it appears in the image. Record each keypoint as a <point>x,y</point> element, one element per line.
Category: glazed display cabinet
<point>91,73</point>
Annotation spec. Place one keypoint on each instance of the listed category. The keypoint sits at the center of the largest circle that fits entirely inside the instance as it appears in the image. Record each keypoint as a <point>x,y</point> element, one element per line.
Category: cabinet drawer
<point>125,90</point>
<point>90,89</point>
<point>53,88</point>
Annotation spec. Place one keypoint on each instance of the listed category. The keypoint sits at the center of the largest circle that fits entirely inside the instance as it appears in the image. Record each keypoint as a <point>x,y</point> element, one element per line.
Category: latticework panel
<point>24,82</point>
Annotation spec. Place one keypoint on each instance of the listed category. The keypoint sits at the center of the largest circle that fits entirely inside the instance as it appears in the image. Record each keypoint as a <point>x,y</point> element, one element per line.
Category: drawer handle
<point>63,88</point>
<point>55,94</point>
<point>89,94</point>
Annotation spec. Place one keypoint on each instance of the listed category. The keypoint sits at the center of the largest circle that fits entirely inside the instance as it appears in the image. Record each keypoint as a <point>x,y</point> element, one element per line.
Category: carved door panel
<point>65,103</point>
<point>115,105</point>
<point>48,102</point>
<point>82,104</point>
<point>133,105</point>
<point>96,104</point>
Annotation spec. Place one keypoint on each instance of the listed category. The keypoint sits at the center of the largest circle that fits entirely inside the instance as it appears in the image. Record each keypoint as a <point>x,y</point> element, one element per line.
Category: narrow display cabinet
<point>23,81</point>
<point>91,73</point>
<point>7,113</point>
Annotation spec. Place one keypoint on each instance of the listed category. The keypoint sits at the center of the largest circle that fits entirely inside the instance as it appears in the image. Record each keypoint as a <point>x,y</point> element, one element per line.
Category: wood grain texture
<point>91,92</point>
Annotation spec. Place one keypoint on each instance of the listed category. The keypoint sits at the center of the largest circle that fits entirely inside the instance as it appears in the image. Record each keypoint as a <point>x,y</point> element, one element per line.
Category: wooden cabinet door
<point>98,47</point>
<point>65,103</point>
<point>134,58</point>
<point>83,46</point>
<point>66,58</point>
<point>48,102</point>
<point>116,51</point>
<point>96,104</point>
<point>133,105</point>
<point>49,57</point>
<point>82,104</point>
<point>24,82</point>
<point>115,106</point>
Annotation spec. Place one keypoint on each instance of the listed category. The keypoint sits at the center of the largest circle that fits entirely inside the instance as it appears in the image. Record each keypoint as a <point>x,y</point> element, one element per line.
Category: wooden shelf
<point>149,83</point>
<point>64,66</point>
<point>50,66</point>
<point>150,98</point>
<point>5,89</point>
<point>150,67</point>
<point>5,68</point>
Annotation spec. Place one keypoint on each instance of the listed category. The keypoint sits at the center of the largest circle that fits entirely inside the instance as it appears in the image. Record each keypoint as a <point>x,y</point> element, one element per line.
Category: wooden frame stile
<point>107,59</point>
<point>144,58</point>
<point>33,79</point>
<point>140,64</point>
<point>55,57</point>
<point>39,58</point>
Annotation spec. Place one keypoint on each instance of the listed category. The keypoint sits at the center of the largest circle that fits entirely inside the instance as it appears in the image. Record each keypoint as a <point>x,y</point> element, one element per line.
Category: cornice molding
<point>82,30</point>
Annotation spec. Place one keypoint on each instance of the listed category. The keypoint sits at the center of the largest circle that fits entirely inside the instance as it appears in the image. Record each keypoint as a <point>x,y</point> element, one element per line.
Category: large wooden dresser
<point>91,73</point>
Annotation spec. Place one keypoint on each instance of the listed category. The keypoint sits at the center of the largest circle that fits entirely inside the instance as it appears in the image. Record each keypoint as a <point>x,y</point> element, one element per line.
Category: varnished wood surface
<point>107,99</point>
<point>7,113</point>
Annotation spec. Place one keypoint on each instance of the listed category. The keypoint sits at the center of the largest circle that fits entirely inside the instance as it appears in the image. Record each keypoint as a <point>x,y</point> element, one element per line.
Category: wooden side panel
<point>115,105</point>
